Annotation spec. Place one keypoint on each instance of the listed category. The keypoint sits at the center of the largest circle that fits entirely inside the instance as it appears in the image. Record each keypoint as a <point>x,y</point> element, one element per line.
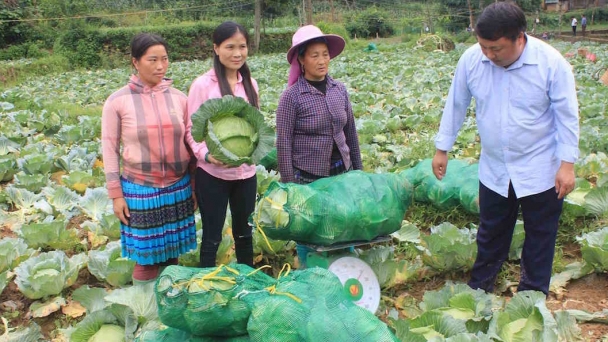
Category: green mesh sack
<point>175,335</point>
<point>418,173</point>
<point>459,186</point>
<point>270,160</point>
<point>469,189</point>
<point>310,305</point>
<point>204,301</point>
<point>354,206</point>
<point>443,193</point>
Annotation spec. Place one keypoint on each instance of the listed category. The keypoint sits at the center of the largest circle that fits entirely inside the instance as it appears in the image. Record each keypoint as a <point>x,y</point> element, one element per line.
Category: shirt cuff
<point>115,193</point>
<point>567,153</point>
<point>444,142</point>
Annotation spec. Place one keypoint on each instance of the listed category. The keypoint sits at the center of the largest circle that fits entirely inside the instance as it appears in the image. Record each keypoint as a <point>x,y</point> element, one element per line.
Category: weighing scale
<point>359,280</point>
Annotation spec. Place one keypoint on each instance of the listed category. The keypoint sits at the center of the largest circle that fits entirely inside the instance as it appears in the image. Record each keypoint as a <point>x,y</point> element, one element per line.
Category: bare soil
<point>589,294</point>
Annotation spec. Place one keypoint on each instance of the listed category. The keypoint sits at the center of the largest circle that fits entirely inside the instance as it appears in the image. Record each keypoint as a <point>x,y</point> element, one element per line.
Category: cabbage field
<point>62,277</point>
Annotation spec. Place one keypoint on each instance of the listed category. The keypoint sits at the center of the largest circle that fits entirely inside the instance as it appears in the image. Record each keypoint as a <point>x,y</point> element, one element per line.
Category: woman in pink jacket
<point>218,185</point>
<point>151,195</point>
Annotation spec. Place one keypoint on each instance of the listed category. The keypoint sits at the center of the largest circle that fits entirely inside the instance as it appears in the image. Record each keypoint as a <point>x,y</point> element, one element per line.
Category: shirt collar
<point>528,56</point>
<point>213,76</point>
<point>138,86</point>
<point>305,87</point>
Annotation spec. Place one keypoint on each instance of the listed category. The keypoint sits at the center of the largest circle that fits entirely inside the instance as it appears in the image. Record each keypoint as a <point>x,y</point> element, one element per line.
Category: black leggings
<point>213,195</point>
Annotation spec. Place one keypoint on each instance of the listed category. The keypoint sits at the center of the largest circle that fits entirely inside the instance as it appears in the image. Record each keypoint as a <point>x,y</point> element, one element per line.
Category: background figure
<point>574,23</point>
<point>529,141</point>
<point>153,196</point>
<point>218,185</point>
<point>316,135</point>
<point>584,24</point>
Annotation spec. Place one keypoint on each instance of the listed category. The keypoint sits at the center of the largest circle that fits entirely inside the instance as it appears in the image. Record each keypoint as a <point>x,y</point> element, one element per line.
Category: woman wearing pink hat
<point>316,134</point>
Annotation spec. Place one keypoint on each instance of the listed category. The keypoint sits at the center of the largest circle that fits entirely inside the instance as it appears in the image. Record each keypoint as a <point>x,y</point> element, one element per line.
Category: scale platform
<point>360,283</point>
<point>345,245</point>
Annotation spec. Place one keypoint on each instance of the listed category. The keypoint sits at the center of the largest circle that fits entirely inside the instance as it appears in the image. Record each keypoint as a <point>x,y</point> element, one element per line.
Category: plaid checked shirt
<point>150,123</point>
<point>308,123</point>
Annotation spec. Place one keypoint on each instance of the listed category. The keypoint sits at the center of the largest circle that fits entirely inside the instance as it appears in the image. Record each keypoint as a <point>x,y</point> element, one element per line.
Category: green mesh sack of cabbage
<point>459,186</point>
<point>234,131</point>
<point>311,306</point>
<point>270,160</point>
<point>176,335</point>
<point>203,301</point>
<point>354,206</point>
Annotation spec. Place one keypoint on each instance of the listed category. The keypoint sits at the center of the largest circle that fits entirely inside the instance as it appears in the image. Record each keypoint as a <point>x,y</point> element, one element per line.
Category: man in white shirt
<point>574,23</point>
<point>527,118</point>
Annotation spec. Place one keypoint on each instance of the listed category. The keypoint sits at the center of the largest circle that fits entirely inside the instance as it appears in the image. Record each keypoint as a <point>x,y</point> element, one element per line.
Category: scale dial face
<point>359,280</point>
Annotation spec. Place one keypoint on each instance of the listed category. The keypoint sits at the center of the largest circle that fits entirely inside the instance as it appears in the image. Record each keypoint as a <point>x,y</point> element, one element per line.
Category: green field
<point>53,199</point>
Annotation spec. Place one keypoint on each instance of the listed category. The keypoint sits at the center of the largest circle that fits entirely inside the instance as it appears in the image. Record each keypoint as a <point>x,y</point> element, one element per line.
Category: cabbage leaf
<point>235,131</point>
<point>108,265</point>
<point>594,249</point>
<point>48,273</point>
<point>54,235</point>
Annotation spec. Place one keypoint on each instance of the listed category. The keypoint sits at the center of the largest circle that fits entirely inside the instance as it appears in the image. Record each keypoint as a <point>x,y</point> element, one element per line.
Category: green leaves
<point>235,132</point>
<point>54,235</point>
<point>108,265</point>
<point>48,274</point>
<point>594,249</point>
<point>448,248</point>
<point>525,318</point>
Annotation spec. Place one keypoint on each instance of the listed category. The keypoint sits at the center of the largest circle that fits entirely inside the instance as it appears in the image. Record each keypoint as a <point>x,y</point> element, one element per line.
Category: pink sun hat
<point>335,45</point>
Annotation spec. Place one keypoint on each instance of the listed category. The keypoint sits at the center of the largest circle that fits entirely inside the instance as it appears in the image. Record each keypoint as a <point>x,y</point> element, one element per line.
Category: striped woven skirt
<point>161,225</point>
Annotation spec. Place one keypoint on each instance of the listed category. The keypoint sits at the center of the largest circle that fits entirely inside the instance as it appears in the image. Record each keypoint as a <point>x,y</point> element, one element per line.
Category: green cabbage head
<point>109,332</point>
<point>48,273</point>
<point>234,131</point>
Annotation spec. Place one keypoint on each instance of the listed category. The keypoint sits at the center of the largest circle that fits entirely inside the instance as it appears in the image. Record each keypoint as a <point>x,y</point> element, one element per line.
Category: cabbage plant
<point>8,146</point>
<point>95,203</point>
<point>448,248</point>
<point>48,273</point>
<point>108,265</point>
<point>525,318</point>
<point>8,168</point>
<point>106,325</point>
<point>12,252</point>
<point>235,131</point>
<point>33,183</point>
<point>594,248</point>
<point>53,235</point>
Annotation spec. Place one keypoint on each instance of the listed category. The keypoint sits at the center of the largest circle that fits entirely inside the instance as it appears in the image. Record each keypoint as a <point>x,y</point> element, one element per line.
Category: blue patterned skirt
<point>161,225</point>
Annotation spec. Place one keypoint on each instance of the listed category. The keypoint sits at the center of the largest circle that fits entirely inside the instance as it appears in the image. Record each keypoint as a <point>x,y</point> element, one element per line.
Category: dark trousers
<point>497,221</point>
<point>574,30</point>
<point>213,196</point>
<point>584,29</point>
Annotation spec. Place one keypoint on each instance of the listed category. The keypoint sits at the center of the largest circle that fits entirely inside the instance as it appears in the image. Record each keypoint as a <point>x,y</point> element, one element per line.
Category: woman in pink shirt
<point>218,185</point>
<point>148,176</point>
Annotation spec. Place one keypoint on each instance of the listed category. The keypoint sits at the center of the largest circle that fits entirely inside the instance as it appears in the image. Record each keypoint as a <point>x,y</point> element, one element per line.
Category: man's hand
<point>121,210</point>
<point>440,164</point>
<point>564,180</point>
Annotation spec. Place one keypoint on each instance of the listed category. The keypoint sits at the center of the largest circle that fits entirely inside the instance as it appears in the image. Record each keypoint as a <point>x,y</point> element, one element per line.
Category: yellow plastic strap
<point>273,289</point>
<point>212,276</point>
<point>258,269</point>
<point>275,205</point>
<point>285,266</point>
<point>257,226</point>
